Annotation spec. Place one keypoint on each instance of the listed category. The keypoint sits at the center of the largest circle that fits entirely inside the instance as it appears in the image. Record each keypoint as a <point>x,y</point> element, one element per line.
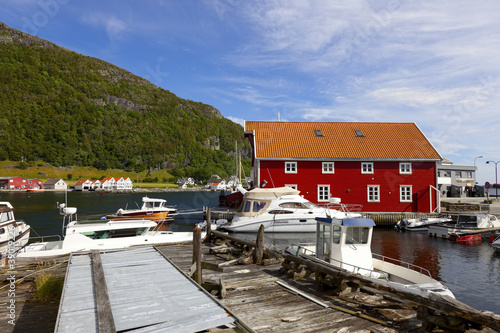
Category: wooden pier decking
<point>252,292</point>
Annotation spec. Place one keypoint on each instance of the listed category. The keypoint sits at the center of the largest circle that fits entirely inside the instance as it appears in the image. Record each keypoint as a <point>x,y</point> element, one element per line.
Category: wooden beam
<point>105,319</point>
<point>445,304</point>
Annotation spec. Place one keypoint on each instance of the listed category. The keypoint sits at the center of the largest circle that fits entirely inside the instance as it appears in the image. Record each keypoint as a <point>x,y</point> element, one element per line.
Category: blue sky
<point>435,63</point>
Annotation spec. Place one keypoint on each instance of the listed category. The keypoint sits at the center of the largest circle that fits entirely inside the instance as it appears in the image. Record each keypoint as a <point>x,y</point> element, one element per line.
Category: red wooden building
<point>13,183</point>
<point>386,167</point>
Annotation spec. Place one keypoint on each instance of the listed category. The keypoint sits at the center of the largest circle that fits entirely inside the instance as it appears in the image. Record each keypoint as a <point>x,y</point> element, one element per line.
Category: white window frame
<point>376,196</point>
<point>290,167</point>
<point>367,167</point>
<point>294,186</point>
<point>321,193</point>
<point>328,167</point>
<point>405,193</point>
<point>405,168</point>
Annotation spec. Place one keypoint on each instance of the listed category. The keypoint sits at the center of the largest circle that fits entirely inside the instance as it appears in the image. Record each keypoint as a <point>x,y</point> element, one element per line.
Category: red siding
<point>349,184</point>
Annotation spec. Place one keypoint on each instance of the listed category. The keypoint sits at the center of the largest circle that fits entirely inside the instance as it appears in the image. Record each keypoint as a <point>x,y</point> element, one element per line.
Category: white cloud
<point>115,27</point>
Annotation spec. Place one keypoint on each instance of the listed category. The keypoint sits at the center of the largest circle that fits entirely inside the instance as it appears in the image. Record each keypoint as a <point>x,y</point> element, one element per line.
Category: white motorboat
<point>282,209</point>
<point>13,234</point>
<point>421,223</point>
<point>152,209</point>
<point>346,244</point>
<point>466,224</point>
<point>102,235</point>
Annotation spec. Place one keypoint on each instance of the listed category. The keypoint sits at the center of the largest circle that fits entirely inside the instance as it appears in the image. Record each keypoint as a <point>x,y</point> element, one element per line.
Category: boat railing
<point>305,248</point>
<point>408,265</point>
<point>43,238</point>
<point>346,208</point>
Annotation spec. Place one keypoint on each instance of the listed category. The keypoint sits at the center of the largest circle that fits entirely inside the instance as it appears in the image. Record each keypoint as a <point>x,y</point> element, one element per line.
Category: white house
<point>95,184</point>
<point>83,185</point>
<point>127,183</point>
<point>55,184</point>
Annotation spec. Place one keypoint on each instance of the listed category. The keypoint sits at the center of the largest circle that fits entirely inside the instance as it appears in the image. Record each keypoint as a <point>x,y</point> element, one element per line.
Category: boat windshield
<point>253,207</point>
<point>5,216</point>
<point>357,235</point>
<point>104,234</point>
<point>299,205</point>
<point>153,204</point>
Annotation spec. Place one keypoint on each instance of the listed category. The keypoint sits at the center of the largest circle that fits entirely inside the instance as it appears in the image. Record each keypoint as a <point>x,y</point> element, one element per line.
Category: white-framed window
<point>373,193</point>
<point>405,193</point>
<point>328,167</point>
<point>367,167</point>
<point>290,167</point>
<point>294,186</point>
<point>323,193</point>
<point>405,168</point>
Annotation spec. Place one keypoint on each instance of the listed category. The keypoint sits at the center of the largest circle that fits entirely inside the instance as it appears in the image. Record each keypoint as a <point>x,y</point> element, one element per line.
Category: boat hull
<point>289,225</point>
<point>157,217</point>
<point>8,246</point>
<point>74,243</point>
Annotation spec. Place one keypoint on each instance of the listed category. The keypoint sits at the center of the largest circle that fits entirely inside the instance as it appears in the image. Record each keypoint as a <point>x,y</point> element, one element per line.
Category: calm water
<point>472,272</point>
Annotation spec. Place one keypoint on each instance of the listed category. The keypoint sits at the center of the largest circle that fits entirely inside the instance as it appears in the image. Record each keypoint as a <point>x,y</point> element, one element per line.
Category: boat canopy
<point>351,222</point>
<point>270,192</point>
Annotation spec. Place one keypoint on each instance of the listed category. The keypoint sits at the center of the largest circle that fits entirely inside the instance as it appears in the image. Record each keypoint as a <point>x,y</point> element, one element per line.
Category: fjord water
<point>471,271</point>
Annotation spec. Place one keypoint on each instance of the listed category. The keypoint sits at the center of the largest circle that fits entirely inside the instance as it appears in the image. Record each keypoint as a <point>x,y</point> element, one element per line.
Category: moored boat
<point>467,224</point>
<point>151,209</point>
<point>282,209</point>
<point>80,236</point>
<point>13,234</point>
<point>421,223</point>
<point>345,244</point>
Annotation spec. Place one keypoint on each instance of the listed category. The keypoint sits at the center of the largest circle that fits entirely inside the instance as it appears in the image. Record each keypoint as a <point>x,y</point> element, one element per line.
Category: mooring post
<point>197,255</point>
<point>209,224</point>
<point>259,246</point>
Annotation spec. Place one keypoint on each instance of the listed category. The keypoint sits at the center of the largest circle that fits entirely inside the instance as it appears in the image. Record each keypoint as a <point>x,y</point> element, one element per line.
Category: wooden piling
<point>197,276</point>
<point>258,254</point>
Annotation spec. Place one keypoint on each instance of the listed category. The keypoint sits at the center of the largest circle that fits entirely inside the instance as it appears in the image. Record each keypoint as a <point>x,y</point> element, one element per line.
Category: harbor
<point>468,271</point>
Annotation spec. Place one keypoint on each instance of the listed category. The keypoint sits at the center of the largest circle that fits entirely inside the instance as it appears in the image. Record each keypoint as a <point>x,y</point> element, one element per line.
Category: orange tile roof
<point>298,140</point>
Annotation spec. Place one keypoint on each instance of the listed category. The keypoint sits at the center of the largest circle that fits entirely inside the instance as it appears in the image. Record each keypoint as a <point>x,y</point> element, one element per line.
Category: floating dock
<point>135,290</point>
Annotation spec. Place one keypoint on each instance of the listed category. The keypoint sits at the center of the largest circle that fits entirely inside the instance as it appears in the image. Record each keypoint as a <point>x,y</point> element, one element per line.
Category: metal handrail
<point>43,237</point>
<point>408,265</point>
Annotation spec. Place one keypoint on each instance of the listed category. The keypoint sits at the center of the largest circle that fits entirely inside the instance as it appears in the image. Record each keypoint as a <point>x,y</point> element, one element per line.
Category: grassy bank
<point>44,171</point>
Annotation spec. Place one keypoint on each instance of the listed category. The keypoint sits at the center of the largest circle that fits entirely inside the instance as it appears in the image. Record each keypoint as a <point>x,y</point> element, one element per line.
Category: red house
<point>13,183</point>
<point>386,167</point>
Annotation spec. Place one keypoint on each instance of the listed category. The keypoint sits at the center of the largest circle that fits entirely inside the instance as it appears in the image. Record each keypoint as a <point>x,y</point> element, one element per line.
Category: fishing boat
<point>471,223</point>
<point>13,234</point>
<point>282,209</point>
<point>421,223</point>
<point>151,209</point>
<point>81,236</point>
<point>345,244</point>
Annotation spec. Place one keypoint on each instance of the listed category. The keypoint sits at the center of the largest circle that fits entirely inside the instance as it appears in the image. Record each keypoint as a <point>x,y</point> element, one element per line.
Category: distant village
<point>107,184</point>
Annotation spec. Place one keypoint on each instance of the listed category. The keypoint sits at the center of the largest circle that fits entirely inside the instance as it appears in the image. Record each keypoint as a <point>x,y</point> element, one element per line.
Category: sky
<point>433,63</point>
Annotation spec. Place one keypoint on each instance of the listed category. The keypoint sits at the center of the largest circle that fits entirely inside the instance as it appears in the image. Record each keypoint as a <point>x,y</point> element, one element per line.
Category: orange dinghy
<point>152,209</point>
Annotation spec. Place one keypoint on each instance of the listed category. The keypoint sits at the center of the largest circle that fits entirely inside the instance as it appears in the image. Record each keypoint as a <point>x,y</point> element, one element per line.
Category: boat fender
<point>493,237</point>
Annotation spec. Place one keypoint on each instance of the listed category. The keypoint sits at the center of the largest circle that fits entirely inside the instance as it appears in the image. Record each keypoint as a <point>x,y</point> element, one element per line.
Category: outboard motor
<point>401,225</point>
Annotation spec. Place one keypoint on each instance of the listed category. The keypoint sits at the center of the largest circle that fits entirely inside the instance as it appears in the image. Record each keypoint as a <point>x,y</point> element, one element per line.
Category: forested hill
<point>68,109</point>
